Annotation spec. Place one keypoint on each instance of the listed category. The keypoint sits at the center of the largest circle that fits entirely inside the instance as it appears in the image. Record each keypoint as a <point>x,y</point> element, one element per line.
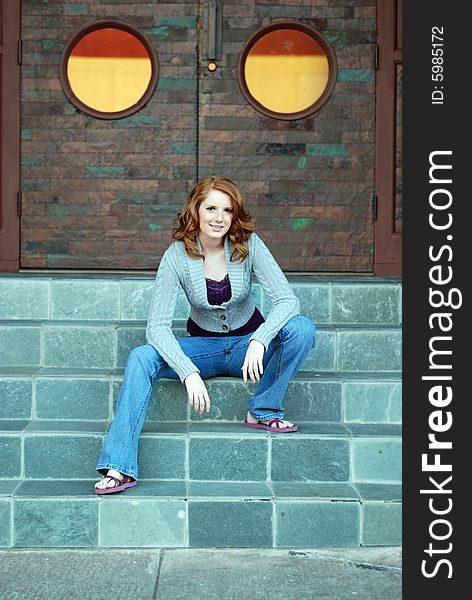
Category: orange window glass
<point>286,70</point>
<point>109,70</point>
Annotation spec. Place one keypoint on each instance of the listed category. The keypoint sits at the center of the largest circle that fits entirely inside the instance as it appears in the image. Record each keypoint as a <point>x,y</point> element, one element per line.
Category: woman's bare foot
<point>251,419</point>
<point>106,482</point>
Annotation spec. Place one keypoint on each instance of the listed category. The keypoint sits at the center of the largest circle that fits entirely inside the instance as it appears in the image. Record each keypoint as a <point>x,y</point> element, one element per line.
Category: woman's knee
<point>302,327</point>
<point>146,355</point>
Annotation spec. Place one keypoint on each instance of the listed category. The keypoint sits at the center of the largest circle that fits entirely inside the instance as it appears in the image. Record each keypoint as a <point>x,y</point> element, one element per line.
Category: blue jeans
<point>215,357</point>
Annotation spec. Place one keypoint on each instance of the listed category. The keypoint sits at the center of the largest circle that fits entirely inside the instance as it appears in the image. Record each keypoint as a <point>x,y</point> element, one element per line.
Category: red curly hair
<point>187,223</point>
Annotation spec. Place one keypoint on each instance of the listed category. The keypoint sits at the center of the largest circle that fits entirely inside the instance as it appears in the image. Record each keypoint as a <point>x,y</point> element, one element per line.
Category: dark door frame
<point>9,135</point>
<point>388,242</point>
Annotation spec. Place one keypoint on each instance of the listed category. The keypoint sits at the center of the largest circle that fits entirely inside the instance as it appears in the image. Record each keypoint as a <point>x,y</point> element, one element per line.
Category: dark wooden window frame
<point>388,242</point>
<point>308,30</point>
<point>95,26</point>
<point>10,136</point>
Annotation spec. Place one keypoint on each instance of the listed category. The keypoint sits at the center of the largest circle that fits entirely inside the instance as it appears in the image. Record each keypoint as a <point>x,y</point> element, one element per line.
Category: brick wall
<point>103,194</point>
<point>98,193</point>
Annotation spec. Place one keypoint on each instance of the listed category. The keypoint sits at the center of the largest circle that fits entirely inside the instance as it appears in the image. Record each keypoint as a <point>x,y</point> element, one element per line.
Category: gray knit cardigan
<point>178,269</point>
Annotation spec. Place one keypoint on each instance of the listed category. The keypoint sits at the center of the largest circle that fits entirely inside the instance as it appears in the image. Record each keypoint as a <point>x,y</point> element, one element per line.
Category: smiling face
<point>215,214</point>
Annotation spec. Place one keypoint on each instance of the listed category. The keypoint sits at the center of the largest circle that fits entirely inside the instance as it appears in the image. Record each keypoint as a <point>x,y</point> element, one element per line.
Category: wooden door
<point>101,194</point>
<point>309,182</point>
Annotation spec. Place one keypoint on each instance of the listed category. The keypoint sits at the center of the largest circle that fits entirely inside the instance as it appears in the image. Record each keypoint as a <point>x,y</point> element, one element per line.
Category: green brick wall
<point>98,193</point>
<point>103,194</point>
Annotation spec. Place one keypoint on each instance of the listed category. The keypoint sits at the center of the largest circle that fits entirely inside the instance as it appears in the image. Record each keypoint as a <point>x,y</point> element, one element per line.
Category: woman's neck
<point>212,247</point>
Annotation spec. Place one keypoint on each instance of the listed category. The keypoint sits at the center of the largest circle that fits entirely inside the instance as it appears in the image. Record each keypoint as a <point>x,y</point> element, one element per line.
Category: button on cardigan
<point>178,269</point>
<point>193,329</point>
<point>217,293</point>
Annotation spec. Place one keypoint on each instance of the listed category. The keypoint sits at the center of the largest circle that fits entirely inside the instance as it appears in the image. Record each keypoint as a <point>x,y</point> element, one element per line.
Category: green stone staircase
<point>205,481</point>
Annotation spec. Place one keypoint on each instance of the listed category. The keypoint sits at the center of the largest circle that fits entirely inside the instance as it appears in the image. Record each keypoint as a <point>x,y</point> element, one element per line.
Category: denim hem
<point>108,466</point>
<point>268,417</point>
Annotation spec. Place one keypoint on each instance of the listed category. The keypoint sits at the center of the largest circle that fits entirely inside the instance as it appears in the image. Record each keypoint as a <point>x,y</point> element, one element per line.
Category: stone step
<point>106,345</point>
<point>325,299</point>
<point>281,514</point>
<point>208,451</point>
<point>81,394</point>
<point>204,481</point>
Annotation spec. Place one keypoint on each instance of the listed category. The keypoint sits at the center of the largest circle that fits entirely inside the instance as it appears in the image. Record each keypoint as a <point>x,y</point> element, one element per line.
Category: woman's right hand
<point>197,393</point>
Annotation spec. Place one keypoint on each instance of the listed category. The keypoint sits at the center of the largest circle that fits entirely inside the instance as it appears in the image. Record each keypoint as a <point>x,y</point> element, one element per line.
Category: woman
<point>214,253</point>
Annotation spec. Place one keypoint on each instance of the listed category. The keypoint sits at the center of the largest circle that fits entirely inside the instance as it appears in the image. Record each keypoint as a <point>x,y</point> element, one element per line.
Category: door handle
<point>214,23</point>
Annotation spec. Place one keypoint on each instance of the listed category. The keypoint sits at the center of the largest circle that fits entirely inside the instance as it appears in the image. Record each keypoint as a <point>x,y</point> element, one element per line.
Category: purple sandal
<point>277,428</point>
<point>122,485</point>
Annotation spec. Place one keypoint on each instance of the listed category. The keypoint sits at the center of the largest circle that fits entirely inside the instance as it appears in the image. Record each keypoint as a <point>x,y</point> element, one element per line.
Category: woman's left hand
<point>253,361</point>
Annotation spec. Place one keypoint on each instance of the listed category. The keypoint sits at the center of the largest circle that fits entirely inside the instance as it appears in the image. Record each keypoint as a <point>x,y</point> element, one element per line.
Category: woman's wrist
<point>258,342</point>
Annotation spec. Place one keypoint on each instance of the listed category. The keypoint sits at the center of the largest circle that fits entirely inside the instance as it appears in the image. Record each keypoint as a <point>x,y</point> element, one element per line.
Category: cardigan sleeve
<point>161,313</point>
<point>285,304</point>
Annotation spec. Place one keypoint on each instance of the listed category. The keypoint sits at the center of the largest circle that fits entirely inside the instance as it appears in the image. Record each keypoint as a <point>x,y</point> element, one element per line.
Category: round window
<point>108,69</point>
<point>287,70</point>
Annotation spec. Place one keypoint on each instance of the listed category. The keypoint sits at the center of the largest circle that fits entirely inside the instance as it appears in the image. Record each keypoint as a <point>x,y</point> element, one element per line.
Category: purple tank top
<point>217,293</point>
